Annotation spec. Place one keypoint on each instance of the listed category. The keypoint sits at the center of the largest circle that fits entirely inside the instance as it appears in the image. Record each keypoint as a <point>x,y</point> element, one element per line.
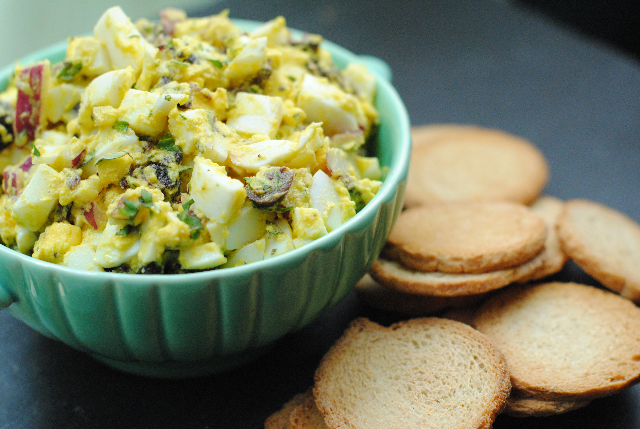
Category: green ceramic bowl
<point>202,323</point>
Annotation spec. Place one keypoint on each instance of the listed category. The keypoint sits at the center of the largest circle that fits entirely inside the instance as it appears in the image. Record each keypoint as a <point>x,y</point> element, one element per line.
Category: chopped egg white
<point>252,252</point>
<point>114,249</point>
<point>124,42</point>
<point>182,145</point>
<point>215,194</point>
<point>307,225</point>
<point>107,89</point>
<point>248,61</point>
<point>38,199</point>
<point>82,257</point>
<point>193,131</point>
<point>146,113</point>
<point>201,257</point>
<point>256,114</point>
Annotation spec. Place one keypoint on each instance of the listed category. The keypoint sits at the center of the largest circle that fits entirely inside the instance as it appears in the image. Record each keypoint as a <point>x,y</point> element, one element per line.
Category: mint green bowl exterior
<point>202,323</point>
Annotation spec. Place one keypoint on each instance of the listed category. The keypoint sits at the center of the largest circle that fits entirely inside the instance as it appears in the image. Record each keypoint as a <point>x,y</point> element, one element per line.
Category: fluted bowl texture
<point>202,323</point>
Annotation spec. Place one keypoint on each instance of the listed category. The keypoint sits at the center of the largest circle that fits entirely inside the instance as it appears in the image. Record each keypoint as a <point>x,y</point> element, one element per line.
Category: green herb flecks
<point>356,197</point>
<point>129,209</point>
<point>128,229</point>
<point>168,143</point>
<point>69,70</point>
<point>121,126</point>
<point>178,64</point>
<point>146,198</point>
<point>216,63</point>
<point>273,229</point>
<point>22,138</point>
<point>87,159</point>
<point>191,220</point>
<point>114,155</point>
<point>282,209</point>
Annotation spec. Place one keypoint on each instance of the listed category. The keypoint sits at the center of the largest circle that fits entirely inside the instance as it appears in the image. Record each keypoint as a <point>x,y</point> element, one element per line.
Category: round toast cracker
<point>383,298</point>
<point>531,407</point>
<point>467,163</point>
<point>605,243</point>
<point>396,276</point>
<point>564,341</point>
<point>306,415</point>
<point>472,237</point>
<point>425,372</point>
<point>280,419</point>
<point>549,209</point>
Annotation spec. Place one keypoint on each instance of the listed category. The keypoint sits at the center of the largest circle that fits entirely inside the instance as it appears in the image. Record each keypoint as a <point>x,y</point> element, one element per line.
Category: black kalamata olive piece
<point>6,121</point>
<point>151,268</point>
<point>269,186</point>
<point>192,59</point>
<point>178,156</point>
<point>163,176</point>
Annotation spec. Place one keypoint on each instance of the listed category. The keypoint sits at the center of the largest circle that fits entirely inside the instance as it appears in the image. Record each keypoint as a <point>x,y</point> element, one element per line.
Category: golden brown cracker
<point>564,341</point>
<point>396,276</point>
<point>468,163</point>
<point>604,242</point>
<point>475,237</point>
<point>549,209</point>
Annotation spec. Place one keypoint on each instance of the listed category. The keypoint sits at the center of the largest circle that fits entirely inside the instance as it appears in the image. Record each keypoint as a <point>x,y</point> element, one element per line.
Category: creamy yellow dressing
<point>146,136</point>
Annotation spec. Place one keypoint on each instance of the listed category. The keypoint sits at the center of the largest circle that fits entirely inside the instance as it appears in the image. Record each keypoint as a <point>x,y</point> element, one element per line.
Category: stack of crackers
<point>489,331</point>
<point>475,221</point>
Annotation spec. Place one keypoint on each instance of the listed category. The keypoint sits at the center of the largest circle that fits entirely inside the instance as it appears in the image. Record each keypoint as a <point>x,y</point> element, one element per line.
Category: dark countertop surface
<point>462,61</point>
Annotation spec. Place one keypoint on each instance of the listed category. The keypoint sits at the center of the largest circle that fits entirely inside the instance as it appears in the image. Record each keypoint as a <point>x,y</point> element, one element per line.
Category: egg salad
<point>183,144</point>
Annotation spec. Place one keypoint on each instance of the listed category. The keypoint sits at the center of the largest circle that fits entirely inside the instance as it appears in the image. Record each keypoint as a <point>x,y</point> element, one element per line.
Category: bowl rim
<point>396,174</point>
